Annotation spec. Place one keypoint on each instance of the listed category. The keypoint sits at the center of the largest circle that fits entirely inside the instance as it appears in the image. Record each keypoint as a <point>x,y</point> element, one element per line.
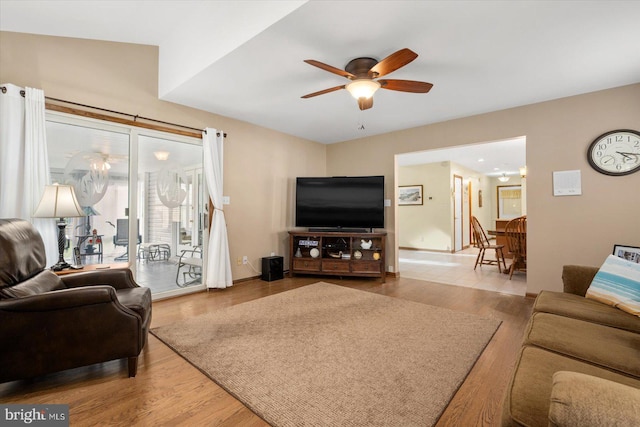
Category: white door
<point>457,213</point>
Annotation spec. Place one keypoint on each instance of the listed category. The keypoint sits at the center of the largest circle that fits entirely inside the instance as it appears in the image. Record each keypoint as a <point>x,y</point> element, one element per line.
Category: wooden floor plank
<point>169,391</point>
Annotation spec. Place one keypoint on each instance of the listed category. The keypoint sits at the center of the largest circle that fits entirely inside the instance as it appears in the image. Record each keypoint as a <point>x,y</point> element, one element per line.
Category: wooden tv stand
<point>337,254</point>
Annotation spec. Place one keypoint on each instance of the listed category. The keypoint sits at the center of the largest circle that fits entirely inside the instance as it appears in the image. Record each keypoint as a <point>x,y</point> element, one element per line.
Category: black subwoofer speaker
<point>272,268</point>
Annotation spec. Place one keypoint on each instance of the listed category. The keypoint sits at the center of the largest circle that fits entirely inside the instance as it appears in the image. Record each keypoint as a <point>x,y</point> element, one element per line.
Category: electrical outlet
<point>245,260</point>
<point>239,261</point>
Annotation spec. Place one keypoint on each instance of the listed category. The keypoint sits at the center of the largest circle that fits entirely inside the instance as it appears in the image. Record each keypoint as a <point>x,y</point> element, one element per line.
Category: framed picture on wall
<point>630,253</point>
<point>409,195</point>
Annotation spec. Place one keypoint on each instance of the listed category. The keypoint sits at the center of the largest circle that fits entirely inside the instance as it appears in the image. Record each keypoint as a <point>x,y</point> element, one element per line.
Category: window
<point>509,201</point>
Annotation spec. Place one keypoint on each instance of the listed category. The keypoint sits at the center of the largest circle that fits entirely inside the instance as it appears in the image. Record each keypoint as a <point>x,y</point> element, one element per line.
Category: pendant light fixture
<point>503,178</point>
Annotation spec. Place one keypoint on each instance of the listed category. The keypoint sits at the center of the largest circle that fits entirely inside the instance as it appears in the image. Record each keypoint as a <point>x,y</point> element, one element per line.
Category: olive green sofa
<point>579,364</point>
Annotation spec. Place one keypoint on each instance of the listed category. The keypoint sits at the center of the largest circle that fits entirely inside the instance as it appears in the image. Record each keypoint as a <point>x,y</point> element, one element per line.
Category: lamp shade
<point>58,201</point>
<point>362,88</point>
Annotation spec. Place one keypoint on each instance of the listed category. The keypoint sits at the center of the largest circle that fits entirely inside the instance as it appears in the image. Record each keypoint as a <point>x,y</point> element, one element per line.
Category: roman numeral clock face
<point>616,153</point>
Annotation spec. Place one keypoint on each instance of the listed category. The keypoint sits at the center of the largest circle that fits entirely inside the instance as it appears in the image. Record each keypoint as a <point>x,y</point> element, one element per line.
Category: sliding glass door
<point>120,173</point>
<point>171,213</point>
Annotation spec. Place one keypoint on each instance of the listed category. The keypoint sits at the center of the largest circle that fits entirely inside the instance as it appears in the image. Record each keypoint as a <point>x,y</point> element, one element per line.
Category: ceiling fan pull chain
<point>360,126</point>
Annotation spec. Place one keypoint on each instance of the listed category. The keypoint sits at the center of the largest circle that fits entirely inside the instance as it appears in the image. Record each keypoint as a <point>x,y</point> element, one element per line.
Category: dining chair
<point>516,235</point>
<point>482,242</point>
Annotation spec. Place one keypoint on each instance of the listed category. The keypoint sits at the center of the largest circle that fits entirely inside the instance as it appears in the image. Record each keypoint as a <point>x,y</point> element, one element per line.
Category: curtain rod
<point>135,116</point>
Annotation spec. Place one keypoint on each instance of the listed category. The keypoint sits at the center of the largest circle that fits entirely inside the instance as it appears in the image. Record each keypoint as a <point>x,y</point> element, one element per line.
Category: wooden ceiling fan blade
<point>322,92</point>
<point>406,86</point>
<point>365,103</point>
<point>392,62</point>
<point>329,68</point>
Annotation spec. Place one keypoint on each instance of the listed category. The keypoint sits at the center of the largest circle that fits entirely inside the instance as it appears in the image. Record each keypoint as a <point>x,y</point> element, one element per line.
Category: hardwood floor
<point>169,391</point>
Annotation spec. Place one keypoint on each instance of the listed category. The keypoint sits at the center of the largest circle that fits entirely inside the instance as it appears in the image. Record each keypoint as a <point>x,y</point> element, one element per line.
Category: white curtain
<point>218,264</point>
<point>24,164</point>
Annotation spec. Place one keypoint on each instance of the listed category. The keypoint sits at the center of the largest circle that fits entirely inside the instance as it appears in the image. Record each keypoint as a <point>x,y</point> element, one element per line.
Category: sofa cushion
<point>617,283</point>
<point>42,282</point>
<point>136,299</point>
<point>616,349</point>
<point>585,309</point>
<point>527,402</point>
<point>586,401</point>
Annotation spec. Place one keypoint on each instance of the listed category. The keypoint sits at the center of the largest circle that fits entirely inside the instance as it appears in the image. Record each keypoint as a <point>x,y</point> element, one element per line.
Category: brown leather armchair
<point>49,323</point>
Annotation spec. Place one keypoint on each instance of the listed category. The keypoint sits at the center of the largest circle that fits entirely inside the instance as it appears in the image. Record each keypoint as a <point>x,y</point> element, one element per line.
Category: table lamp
<point>59,201</point>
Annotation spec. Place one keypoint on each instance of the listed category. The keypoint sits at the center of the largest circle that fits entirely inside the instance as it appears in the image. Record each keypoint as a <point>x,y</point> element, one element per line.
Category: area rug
<point>326,355</point>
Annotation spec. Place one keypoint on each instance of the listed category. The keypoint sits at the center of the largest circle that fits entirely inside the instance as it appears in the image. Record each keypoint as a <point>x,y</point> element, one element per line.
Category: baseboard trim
<point>247,279</point>
<point>442,251</point>
<point>424,249</point>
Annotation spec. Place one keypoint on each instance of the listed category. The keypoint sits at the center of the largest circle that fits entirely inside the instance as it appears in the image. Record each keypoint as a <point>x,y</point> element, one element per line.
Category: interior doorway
<point>457,182</point>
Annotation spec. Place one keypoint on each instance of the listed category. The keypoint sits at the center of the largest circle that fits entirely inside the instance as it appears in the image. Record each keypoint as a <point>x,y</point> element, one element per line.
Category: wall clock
<point>616,152</point>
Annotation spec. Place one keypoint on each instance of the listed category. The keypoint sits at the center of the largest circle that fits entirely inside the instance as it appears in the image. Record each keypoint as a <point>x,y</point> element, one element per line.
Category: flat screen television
<point>340,202</point>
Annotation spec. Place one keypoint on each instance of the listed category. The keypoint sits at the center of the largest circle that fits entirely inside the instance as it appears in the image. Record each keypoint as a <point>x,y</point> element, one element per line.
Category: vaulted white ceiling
<point>244,59</point>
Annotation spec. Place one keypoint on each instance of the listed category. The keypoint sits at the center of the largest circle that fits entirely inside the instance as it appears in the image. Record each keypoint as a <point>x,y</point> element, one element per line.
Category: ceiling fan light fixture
<point>362,88</point>
<point>103,165</point>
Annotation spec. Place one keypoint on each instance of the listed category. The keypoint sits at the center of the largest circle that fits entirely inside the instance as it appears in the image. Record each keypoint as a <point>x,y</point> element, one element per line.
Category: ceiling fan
<point>363,73</point>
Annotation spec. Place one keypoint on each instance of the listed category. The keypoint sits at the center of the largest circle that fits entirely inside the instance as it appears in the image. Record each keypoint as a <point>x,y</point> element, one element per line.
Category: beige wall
<point>484,212</point>
<point>562,230</point>
<point>260,164</point>
<point>426,226</point>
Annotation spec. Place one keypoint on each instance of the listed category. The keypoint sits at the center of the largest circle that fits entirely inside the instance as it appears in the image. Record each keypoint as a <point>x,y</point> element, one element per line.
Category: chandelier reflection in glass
<point>171,186</point>
<point>89,175</point>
